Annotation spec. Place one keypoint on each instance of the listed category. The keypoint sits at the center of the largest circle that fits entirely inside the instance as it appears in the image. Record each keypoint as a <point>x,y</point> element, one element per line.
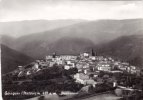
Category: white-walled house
<point>84,79</point>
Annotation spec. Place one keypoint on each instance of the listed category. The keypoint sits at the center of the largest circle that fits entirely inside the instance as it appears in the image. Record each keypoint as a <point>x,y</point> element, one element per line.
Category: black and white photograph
<point>71,49</point>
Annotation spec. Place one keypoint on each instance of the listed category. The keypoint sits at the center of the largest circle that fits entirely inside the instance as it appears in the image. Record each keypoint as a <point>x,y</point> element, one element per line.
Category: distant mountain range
<point>11,59</point>
<point>96,31</point>
<point>26,27</point>
<point>118,38</point>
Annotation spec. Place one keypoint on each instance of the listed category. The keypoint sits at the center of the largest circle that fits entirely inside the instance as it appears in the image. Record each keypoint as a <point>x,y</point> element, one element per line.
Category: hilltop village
<point>82,74</point>
<point>87,64</point>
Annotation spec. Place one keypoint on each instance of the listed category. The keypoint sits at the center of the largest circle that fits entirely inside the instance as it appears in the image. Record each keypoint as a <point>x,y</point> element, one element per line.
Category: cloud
<point>53,9</point>
<point>129,10</point>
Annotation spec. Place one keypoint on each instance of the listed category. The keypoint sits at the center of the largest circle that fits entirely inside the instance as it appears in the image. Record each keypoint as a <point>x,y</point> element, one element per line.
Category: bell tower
<point>92,52</point>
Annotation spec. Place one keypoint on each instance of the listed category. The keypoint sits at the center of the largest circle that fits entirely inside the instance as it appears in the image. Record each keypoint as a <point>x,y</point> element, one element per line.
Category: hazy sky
<point>15,10</point>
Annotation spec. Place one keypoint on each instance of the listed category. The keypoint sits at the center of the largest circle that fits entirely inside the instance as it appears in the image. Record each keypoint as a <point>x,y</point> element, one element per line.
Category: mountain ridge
<point>11,59</point>
<point>93,30</point>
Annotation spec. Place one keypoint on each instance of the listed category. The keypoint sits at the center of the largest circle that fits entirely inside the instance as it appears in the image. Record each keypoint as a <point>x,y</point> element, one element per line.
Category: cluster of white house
<point>85,63</point>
